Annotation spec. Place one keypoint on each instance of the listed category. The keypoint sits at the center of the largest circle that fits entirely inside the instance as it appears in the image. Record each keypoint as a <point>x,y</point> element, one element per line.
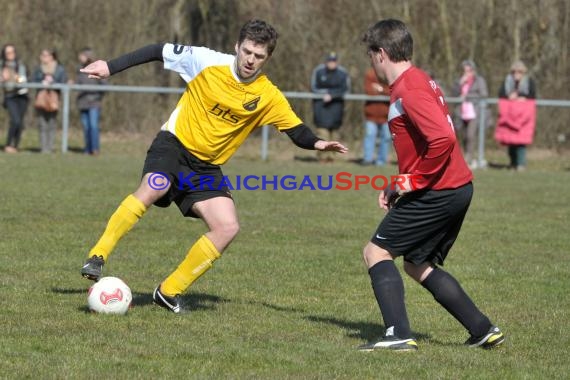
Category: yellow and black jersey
<point>218,110</point>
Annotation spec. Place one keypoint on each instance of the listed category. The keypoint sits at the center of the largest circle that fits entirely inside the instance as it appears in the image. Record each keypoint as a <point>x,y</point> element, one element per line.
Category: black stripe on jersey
<point>302,136</point>
<point>143,55</point>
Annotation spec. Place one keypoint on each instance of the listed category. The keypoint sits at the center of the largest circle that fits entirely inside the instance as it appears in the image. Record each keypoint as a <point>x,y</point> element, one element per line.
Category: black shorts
<point>192,180</point>
<point>423,226</point>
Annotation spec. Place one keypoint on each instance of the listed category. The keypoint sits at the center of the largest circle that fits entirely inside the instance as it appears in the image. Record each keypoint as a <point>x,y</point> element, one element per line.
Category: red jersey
<point>423,134</point>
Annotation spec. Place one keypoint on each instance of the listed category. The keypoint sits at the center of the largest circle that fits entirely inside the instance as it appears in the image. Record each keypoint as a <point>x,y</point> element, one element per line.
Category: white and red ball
<point>109,295</point>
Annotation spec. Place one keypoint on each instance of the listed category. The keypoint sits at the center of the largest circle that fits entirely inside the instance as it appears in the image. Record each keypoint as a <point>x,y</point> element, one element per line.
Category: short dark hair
<point>393,36</point>
<point>259,32</point>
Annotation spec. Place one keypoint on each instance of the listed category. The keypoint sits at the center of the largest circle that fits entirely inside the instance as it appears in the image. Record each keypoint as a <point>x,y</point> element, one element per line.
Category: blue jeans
<point>372,132</point>
<point>90,121</point>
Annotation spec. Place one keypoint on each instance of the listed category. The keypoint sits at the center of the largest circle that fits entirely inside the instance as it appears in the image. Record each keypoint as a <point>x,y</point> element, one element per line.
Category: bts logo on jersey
<point>225,114</point>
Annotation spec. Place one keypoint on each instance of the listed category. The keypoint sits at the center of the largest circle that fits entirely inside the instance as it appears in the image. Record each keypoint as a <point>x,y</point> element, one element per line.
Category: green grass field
<point>291,298</point>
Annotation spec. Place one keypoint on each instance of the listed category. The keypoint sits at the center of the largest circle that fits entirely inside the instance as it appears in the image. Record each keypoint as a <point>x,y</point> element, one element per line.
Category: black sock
<point>389,291</point>
<point>447,291</point>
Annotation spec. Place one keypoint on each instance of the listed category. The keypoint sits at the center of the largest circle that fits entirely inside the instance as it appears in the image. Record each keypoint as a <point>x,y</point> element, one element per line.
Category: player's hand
<point>97,70</point>
<point>330,146</point>
<point>388,198</point>
<point>402,184</point>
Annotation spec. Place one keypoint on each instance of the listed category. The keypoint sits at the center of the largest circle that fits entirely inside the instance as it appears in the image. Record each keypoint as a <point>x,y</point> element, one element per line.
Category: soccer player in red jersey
<point>426,207</point>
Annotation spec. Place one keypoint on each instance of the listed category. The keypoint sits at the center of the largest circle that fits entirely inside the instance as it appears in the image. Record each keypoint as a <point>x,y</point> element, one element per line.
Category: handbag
<point>47,101</point>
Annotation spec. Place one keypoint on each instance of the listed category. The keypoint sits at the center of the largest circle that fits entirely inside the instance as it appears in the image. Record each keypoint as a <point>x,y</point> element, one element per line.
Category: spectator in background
<point>12,72</point>
<point>331,81</point>
<point>89,103</point>
<point>517,114</point>
<point>470,87</point>
<point>48,72</point>
<point>376,121</point>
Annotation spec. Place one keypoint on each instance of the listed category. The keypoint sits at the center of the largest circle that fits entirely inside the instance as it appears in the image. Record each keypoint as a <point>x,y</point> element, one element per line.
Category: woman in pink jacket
<point>517,114</point>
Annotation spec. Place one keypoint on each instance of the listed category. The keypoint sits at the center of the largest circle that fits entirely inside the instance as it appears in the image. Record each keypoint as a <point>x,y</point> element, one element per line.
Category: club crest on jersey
<point>250,102</point>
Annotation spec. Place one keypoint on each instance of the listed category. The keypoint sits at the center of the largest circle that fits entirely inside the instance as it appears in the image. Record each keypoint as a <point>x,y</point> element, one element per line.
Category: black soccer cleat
<point>390,342</point>
<point>169,303</point>
<point>93,267</point>
<point>493,338</point>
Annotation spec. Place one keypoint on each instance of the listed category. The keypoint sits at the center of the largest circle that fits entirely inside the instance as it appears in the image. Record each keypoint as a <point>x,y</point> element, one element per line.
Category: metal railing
<point>66,90</point>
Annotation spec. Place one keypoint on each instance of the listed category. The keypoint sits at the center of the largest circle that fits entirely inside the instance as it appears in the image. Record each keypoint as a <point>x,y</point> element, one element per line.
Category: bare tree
<point>492,32</point>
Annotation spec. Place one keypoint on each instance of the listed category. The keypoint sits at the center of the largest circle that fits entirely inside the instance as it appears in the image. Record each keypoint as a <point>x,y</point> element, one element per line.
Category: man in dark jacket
<point>331,81</point>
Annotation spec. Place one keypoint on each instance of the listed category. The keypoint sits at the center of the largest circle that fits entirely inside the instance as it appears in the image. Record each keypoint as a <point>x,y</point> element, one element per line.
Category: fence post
<point>264,142</point>
<point>481,163</point>
<point>65,119</point>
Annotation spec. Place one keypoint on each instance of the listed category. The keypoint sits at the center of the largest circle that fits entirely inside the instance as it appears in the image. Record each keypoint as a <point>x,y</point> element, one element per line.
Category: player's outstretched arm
<point>304,138</point>
<point>102,69</point>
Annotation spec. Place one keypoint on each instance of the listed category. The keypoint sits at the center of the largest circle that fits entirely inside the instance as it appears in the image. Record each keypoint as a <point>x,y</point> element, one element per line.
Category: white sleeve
<point>189,61</point>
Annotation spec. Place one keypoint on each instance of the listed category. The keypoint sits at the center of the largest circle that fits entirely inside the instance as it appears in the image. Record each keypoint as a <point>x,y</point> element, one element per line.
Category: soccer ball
<point>109,295</point>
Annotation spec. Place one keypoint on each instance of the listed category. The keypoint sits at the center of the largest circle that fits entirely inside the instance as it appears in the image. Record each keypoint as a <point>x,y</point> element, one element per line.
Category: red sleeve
<point>432,124</point>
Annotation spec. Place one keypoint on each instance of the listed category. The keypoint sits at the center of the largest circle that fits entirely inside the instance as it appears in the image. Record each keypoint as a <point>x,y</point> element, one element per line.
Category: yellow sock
<point>198,260</point>
<point>123,219</point>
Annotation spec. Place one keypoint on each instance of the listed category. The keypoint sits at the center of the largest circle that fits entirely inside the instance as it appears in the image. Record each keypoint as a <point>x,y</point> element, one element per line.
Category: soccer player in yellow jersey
<point>226,97</point>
